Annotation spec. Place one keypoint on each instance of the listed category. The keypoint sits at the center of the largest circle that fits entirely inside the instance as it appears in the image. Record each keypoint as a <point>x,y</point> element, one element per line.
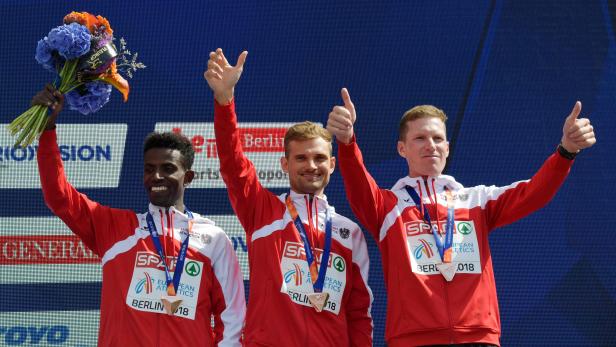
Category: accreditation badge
<point>297,283</point>
<point>424,256</point>
<point>148,287</point>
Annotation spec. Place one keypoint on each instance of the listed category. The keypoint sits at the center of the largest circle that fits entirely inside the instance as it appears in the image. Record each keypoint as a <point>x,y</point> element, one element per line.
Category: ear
<point>188,177</point>
<point>284,164</point>
<point>401,149</point>
<point>332,163</point>
<point>447,150</point>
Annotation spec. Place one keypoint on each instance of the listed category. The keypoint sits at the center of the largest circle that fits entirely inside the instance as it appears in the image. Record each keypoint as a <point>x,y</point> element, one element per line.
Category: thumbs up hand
<point>578,133</point>
<point>341,119</point>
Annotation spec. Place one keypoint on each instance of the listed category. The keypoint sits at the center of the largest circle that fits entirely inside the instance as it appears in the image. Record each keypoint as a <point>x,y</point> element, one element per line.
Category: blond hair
<point>417,112</point>
<point>305,131</point>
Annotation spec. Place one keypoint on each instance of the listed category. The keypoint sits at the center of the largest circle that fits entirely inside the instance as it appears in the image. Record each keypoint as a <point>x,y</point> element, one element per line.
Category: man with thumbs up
<point>433,232</point>
<point>308,264</point>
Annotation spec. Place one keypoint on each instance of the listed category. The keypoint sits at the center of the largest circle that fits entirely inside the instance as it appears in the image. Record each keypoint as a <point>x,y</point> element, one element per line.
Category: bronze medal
<point>318,300</point>
<point>448,270</point>
<point>170,304</point>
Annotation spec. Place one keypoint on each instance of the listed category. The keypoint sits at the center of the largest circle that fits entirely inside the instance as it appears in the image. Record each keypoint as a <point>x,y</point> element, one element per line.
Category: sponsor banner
<point>263,144</point>
<point>424,253</point>
<point>44,250</point>
<point>49,328</point>
<point>92,155</point>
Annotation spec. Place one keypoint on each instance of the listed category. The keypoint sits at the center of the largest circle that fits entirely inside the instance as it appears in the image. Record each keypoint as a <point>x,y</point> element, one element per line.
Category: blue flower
<point>89,99</point>
<point>70,40</point>
<point>43,55</point>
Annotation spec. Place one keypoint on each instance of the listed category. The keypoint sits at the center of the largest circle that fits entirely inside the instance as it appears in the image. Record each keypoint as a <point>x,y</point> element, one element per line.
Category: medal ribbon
<point>172,283</point>
<point>444,249</point>
<point>318,278</point>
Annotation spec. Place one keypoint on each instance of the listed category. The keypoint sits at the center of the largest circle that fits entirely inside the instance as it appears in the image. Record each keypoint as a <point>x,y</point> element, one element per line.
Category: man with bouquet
<point>166,272</point>
<point>308,264</point>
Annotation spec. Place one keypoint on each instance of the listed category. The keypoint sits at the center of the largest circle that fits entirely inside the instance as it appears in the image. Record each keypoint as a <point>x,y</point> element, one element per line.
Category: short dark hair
<point>171,140</point>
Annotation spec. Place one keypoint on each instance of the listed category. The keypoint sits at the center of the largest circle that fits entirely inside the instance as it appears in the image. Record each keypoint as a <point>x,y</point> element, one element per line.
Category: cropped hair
<point>306,131</point>
<point>421,111</point>
<point>171,140</point>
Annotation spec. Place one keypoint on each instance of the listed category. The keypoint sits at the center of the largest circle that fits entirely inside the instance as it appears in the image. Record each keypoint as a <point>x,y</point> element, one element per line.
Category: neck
<point>312,195</point>
<point>178,206</point>
<point>413,174</point>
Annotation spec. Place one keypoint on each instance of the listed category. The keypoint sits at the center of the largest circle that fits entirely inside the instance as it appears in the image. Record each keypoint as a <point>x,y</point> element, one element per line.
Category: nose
<point>157,175</point>
<point>311,164</point>
<point>430,144</point>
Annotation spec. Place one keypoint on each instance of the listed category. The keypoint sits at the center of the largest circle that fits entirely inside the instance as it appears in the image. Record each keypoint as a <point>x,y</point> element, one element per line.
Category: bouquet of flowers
<point>82,54</point>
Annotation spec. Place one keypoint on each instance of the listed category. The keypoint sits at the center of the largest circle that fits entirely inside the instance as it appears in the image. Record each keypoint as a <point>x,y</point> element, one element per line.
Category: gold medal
<point>318,300</point>
<point>170,304</point>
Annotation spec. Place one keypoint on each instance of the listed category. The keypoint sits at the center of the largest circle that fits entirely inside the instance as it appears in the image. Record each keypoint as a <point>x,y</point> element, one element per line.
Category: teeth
<point>158,189</point>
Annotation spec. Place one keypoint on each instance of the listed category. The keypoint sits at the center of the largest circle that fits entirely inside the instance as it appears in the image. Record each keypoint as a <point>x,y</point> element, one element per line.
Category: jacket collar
<point>440,181</point>
<point>301,199</point>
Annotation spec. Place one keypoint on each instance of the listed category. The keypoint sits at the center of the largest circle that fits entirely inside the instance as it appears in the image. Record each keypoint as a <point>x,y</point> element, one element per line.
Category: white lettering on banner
<point>262,143</point>
<point>149,284</point>
<point>424,253</point>
<point>297,282</point>
<point>92,156</point>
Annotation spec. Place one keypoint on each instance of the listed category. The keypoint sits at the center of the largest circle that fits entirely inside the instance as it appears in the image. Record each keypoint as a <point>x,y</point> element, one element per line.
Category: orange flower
<point>89,21</point>
<point>112,77</point>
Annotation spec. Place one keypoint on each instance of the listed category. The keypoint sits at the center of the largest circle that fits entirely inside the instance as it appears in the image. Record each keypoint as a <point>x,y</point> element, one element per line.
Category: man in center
<point>308,264</point>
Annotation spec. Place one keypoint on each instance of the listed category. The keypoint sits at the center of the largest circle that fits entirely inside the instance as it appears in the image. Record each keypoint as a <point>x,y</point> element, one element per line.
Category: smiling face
<point>425,146</point>
<point>309,164</point>
<point>164,177</point>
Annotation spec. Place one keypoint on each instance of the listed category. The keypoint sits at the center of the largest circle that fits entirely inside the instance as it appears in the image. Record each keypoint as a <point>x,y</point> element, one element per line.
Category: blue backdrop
<point>507,73</point>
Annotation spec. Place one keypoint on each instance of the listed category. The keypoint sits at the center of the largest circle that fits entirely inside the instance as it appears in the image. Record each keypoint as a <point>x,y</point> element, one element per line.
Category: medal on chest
<point>318,299</point>
<point>447,267</point>
<point>171,301</point>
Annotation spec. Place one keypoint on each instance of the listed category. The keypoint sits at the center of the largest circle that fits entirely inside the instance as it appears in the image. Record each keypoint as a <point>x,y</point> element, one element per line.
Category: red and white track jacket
<point>423,308</point>
<point>278,310</point>
<point>133,277</point>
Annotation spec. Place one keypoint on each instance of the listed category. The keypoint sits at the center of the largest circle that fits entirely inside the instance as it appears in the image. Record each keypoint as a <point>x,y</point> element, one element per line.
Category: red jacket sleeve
<point>360,299</point>
<point>227,294</point>
<point>507,204</point>
<point>369,203</point>
<point>247,195</point>
<point>92,222</point>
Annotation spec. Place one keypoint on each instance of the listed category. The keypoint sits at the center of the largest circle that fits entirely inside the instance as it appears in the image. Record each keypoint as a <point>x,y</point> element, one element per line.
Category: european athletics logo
<point>295,274</point>
<point>423,249</point>
<point>145,283</point>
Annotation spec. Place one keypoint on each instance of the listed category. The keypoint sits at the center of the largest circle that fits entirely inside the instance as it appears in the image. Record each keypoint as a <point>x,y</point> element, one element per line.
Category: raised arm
<point>505,205</point>
<point>370,204</point>
<point>74,208</point>
<point>248,198</point>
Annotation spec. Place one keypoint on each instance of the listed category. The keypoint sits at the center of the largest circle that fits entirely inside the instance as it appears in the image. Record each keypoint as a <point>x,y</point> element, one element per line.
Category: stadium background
<point>507,73</point>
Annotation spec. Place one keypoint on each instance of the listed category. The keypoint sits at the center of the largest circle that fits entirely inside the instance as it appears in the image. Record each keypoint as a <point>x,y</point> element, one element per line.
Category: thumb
<point>575,112</point>
<point>241,60</point>
<point>346,98</point>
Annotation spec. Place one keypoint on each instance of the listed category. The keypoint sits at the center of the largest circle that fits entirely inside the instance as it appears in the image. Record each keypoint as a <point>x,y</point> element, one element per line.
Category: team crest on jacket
<point>344,233</point>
